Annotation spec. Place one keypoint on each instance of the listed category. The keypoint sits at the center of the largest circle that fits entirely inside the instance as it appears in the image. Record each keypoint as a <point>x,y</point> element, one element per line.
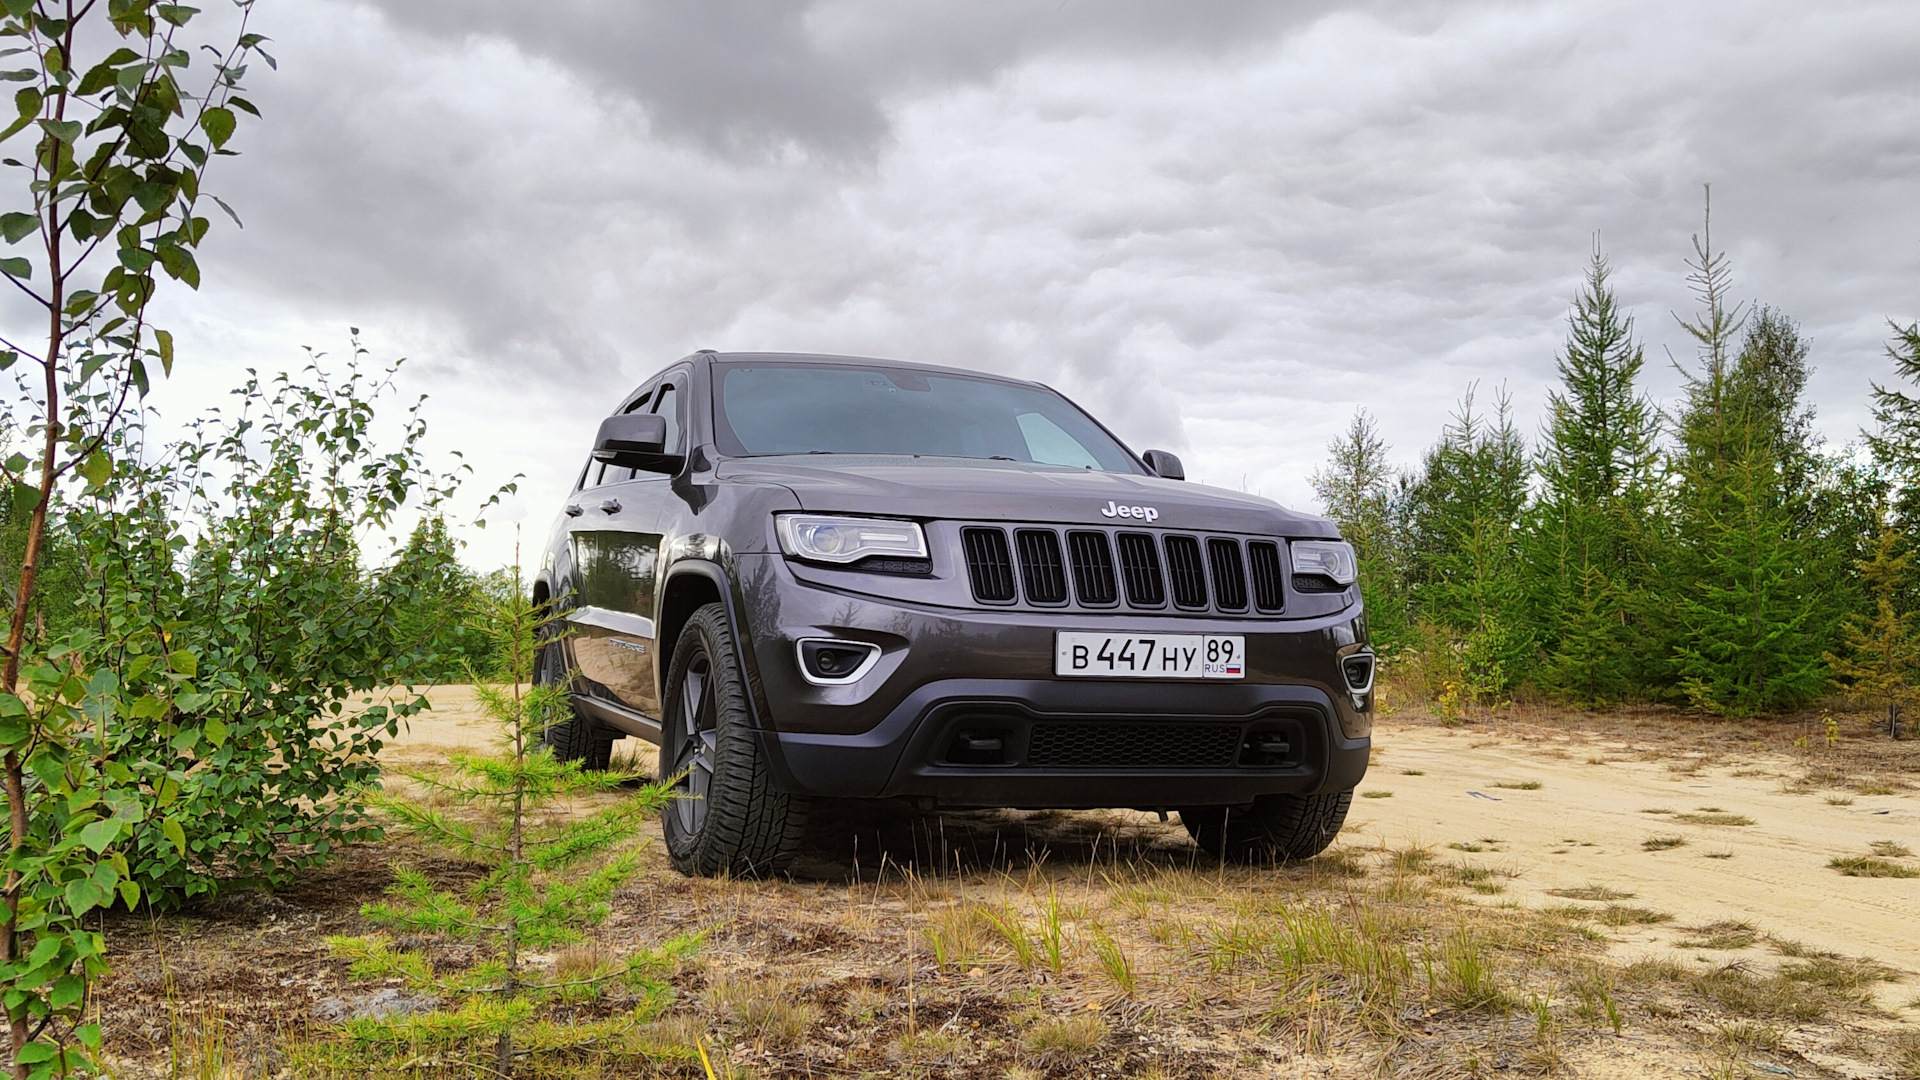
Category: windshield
<point>763,409</point>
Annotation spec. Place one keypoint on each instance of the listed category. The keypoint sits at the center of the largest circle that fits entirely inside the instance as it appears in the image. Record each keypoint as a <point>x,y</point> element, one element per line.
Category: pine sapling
<point>550,872</point>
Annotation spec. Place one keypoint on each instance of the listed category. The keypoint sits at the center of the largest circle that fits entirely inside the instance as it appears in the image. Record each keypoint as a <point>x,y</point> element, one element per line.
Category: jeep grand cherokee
<point>825,577</point>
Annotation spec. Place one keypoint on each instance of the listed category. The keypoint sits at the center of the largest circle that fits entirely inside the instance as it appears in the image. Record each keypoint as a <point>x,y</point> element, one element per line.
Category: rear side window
<point>667,404</point>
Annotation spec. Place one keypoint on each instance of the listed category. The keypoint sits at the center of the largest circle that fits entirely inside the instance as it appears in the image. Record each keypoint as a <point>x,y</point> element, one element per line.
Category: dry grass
<point>1727,934</point>
<point>1590,892</point>
<point>1713,817</point>
<point>1066,1038</point>
<point>1869,866</point>
<point>1890,849</point>
<point>1662,843</point>
<point>1517,785</point>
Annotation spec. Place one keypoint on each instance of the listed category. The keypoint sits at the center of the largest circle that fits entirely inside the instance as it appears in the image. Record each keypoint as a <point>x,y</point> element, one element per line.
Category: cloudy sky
<point>1222,225</point>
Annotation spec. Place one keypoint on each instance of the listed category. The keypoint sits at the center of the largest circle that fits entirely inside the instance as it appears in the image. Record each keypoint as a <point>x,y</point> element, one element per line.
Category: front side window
<point>773,409</point>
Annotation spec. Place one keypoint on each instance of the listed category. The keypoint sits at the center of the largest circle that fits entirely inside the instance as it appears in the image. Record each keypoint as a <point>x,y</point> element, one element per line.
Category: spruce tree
<point>1895,444</point>
<point>1465,518</point>
<point>1743,597</point>
<point>1880,664</point>
<point>1364,494</point>
<point>1587,535</point>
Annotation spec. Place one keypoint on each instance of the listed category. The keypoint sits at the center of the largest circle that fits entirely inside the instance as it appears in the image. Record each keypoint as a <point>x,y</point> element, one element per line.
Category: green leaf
<point>35,1052</point>
<point>67,990</point>
<point>16,226</point>
<point>184,662</point>
<point>164,339</point>
<point>171,827</point>
<point>215,731</point>
<point>218,123</point>
<point>177,14</point>
<point>19,9</point>
<point>83,895</point>
<point>223,205</point>
<point>97,468</point>
<point>19,268</point>
<point>100,835</point>
<point>67,131</point>
<point>28,102</point>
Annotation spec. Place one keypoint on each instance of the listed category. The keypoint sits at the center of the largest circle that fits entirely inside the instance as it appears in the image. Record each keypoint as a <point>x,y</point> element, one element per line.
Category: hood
<point>971,490</point>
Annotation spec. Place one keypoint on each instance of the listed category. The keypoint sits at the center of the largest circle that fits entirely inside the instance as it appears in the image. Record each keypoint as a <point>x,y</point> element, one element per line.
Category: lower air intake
<point>1134,746</point>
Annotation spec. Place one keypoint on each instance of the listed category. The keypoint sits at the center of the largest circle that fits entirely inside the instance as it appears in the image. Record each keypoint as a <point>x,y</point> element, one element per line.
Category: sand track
<point>1587,821</point>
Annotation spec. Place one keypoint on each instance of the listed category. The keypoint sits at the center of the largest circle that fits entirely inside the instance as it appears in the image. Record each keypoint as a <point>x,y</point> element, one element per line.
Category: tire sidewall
<point>704,634</point>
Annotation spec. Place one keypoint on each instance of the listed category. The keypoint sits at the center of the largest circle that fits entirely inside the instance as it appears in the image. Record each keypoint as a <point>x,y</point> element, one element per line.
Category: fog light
<point>1358,670</point>
<point>831,662</point>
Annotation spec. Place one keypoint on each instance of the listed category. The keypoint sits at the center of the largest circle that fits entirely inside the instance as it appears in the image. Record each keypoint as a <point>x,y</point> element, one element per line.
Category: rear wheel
<point>1285,828</point>
<point>725,818</point>
<point>574,737</point>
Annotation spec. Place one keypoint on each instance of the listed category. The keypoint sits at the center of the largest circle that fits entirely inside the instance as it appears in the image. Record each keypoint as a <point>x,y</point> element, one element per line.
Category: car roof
<point>834,359</point>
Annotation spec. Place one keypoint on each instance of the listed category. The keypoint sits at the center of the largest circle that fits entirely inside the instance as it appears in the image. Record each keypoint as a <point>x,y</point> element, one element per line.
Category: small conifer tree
<point>1880,664</point>
<point>1743,596</point>
<point>1587,537</point>
<point>1366,495</point>
<point>1465,520</point>
<point>547,874</point>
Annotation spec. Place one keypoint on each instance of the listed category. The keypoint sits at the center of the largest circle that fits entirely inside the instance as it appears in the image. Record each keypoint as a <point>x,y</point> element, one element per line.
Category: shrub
<point>243,654</point>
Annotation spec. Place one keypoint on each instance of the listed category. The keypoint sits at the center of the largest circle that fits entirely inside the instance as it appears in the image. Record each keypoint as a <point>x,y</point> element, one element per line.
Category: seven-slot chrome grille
<point>1115,568</point>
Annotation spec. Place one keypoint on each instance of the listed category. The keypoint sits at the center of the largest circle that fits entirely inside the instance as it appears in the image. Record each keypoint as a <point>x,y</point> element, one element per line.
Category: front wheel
<point>725,817</point>
<point>1283,828</point>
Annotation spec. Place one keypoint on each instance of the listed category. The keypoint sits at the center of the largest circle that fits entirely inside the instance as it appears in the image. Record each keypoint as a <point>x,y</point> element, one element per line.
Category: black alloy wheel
<point>725,817</point>
<point>697,743</point>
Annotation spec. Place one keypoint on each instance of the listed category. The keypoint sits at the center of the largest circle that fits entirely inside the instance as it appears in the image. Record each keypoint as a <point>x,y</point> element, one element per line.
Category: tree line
<point>1714,553</point>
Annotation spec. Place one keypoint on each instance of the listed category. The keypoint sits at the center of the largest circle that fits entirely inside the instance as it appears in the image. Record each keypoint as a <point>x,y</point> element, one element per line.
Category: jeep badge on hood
<point>1144,513</point>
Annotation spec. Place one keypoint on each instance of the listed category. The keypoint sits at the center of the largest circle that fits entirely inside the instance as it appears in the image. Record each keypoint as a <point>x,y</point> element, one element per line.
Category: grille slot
<point>1140,566</point>
<point>1268,593</point>
<point>1041,569</point>
<point>1229,574</point>
<point>989,564</point>
<point>1134,746</point>
<point>1093,578</point>
<point>1189,577</point>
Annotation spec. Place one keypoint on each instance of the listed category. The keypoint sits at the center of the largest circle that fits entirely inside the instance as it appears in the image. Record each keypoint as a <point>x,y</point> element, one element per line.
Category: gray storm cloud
<point>1222,225</point>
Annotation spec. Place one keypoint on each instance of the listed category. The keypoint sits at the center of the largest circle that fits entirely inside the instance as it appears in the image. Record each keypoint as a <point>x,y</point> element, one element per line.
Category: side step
<point>619,718</point>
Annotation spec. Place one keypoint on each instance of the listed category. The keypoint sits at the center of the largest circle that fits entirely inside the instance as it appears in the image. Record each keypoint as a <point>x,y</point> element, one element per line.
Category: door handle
<point>611,506</point>
<point>573,509</point>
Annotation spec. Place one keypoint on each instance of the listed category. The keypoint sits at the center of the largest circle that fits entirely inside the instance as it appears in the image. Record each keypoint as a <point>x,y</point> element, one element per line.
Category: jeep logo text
<point>1144,513</point>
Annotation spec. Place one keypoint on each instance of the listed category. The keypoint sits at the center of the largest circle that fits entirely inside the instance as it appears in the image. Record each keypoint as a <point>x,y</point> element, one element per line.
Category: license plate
<point>1150,656</point>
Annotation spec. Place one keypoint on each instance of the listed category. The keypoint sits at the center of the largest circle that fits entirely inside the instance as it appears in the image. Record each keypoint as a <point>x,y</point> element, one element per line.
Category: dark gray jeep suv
<point>824,577</point>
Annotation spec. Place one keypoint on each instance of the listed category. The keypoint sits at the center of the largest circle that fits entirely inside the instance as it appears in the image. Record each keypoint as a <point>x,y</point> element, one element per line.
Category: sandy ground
<point>1584,825</point>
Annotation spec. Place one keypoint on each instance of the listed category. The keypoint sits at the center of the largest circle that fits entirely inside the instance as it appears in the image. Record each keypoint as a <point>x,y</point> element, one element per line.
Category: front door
<point>616,560</point>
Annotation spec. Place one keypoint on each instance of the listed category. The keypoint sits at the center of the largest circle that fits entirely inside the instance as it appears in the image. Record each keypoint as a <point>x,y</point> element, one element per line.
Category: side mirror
<point>1164,464</point>
<point>636,441</point>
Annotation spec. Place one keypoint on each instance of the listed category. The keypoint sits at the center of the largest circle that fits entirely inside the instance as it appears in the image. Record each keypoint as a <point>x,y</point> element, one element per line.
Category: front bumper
<point>949,679</point>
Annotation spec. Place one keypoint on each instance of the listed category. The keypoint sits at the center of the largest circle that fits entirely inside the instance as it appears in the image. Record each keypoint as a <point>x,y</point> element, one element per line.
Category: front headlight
<point>1327,558</point>
<point>849,539</point>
